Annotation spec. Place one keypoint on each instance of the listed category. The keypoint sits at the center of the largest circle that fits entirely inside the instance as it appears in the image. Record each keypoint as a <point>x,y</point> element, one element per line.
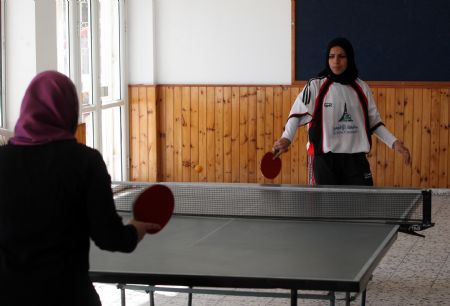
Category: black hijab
<point>351,73</point>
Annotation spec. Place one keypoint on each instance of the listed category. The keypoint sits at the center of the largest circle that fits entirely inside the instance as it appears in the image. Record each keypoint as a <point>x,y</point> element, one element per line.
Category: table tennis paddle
<point>154,205</point>
<point>271,164</point>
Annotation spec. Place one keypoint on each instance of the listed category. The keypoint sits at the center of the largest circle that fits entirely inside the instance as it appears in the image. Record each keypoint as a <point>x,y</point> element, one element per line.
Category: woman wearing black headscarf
<point>55,196</point>
<point>342,115</point>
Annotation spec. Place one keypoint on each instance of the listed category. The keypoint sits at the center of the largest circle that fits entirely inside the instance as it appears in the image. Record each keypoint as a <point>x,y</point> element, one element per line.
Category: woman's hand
<point>281,145</point>
<point>400,148</point>
<point>143,227</point>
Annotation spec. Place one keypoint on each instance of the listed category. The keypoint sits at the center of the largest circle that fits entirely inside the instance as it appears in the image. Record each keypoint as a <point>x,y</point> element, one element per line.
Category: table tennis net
<point>368,204</point>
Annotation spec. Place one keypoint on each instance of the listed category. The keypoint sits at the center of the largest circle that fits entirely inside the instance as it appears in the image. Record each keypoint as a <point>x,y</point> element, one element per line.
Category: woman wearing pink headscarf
<point>55,196</point>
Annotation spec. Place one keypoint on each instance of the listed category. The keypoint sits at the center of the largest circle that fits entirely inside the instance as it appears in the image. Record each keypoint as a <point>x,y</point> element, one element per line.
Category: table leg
<point>294,297</point>
<point>152,297</point>
<point>333,298</point>
<point>363,298</point>
<point>190,297</point>
<point>122,296</point>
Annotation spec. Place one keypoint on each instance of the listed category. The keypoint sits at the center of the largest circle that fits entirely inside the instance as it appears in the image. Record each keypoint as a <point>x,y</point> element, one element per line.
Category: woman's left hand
<point>400,148</point>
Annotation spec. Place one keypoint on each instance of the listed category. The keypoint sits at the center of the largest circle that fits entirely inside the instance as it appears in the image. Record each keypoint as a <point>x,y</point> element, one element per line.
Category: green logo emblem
<point>346,116</point>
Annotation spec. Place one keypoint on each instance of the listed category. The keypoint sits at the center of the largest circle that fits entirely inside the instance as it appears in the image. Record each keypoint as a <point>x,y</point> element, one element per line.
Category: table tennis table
<point>240,236</point>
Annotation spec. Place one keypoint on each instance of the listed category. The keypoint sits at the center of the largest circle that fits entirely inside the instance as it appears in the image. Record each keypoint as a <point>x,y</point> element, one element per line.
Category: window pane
<point>62,21</point>
<point>109,51</point>
<point>112,141</point>
<point>88,118</point>
<point>85,52</point>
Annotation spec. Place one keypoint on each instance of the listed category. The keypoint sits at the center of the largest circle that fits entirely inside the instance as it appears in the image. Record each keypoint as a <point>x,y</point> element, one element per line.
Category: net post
<point>426,215</point>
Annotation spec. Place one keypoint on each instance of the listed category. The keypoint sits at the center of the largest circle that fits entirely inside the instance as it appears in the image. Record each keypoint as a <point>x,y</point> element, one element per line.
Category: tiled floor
<point>415,271</point>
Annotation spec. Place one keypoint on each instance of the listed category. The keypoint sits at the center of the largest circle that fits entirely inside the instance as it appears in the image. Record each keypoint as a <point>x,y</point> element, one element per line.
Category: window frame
<point>97,106</point>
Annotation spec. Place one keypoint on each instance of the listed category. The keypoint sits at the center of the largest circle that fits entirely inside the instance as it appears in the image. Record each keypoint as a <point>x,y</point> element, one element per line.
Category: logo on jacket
<point>346,116</point>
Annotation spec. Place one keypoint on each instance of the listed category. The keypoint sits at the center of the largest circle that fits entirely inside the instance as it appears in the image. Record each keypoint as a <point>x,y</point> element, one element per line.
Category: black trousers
<point>342,169</point>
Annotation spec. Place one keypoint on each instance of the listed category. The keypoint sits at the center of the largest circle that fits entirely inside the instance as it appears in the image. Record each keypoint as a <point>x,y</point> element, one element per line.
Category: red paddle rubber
<point>154,205</point>
<point>270,165</point>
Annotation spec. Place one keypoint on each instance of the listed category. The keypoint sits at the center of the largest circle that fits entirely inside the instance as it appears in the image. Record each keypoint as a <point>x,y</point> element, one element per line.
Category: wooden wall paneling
<point>227,135</point>
<point>303,158</point>
<point>372,158</point>
<point>202,134</point>
<point>218,133</point>
<point>269,136</point>
<point>252,122</point>
<point>302,141</point>
<point>186,133</point>
<point>434,145</point>
<point>381,147</point>
<point>372,155</point>
<point>260,131</point>
<point>445,100</point>
<point>390,124</point>
<point>134,133</point>
<point>177,136</point>
<point>227,129</point>
<point>152,134</point>
<point>408,139</point>
<point>426,141</point>
<point>279,122</point>
<point>194,134</point>
<point>399,106</point>
<point>210,133</point>
<point>243,134</point>
<point>80,133</point>
<point>161,114</point>
<point>444,153</point>
<point>169,171</point>
<point>296,147</point>
<point>416,150</point>
<point>235,134</point>
<point>286,157</point>
<point>143,136</point>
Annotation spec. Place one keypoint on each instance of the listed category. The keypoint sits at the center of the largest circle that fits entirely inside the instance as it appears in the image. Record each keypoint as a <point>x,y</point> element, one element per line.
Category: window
<point>90,50</point>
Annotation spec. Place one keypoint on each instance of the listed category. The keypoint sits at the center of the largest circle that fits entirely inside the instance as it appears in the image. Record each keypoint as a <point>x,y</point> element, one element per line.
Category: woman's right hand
<point>143,227</point>
<point>281,145</point>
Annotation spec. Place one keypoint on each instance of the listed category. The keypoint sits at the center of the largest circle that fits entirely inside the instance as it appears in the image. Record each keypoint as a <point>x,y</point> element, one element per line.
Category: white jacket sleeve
<point>385,136</point>
<point>375,120</point>
<point>374,115</point>
<point>300,113</point>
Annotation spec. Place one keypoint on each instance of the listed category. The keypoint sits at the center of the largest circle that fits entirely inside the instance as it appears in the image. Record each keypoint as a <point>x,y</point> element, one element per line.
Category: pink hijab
<point>49,110</point>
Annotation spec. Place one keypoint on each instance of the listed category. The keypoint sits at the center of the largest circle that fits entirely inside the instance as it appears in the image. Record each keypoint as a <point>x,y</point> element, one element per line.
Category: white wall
<point>20,54</point>
<point>210,41</point>
<point>168,42</point>
<point>30,48</point>
<point>45,23</point>
<point>140,41</point>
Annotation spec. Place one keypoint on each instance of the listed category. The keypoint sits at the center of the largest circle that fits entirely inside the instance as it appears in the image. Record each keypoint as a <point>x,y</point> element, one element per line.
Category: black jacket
<point>53,199</point>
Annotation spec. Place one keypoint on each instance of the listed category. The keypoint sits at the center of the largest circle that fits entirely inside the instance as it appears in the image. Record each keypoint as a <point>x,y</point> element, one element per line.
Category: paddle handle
<point>276,154</point>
